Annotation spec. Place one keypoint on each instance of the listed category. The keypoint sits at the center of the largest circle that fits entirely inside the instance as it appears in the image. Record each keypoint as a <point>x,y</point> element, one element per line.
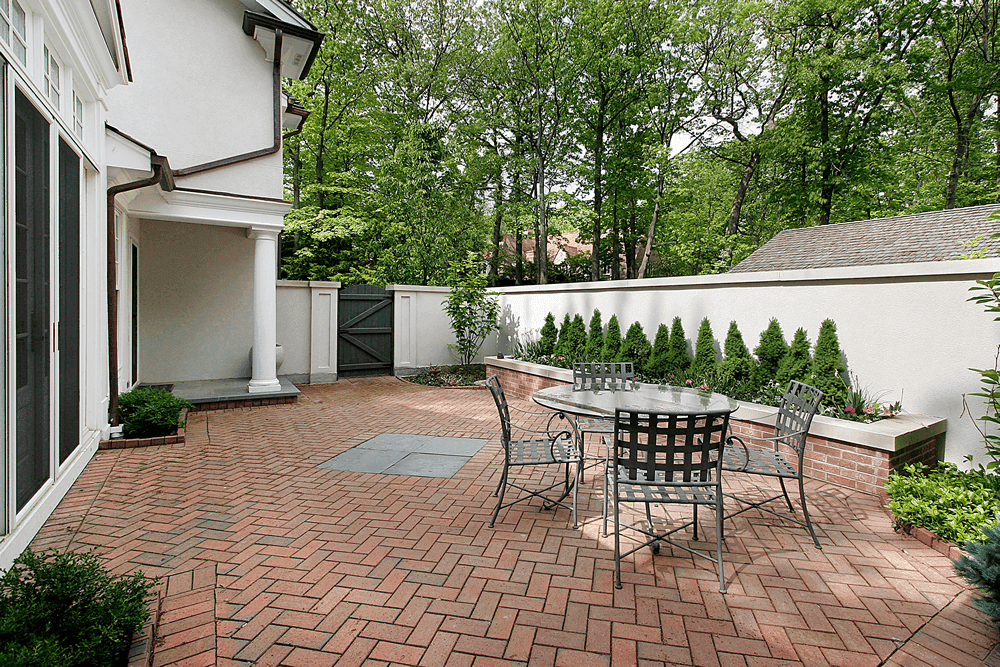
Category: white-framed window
<point>52,90</point>
<point>5,21</point>
<point>19,21</point>
<point>77,114</point>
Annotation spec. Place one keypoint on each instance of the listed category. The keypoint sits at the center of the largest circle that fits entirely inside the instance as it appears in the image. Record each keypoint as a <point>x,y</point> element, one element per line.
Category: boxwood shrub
<point>149,413</point>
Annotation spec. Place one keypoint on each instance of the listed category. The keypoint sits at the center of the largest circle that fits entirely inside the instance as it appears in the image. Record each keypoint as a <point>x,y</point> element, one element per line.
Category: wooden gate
<point>364,331</point>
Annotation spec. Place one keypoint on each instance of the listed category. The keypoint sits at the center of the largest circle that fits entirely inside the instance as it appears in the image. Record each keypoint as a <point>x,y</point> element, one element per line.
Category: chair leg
<point>719,537</point>
<point>604,522</point>
<point>805,513</point>
<point>502,489</point>
<point>576,490</point>
<point>655,546</point>
<point>785,491</point>
<point>695,523</point>
<point>618,550</point>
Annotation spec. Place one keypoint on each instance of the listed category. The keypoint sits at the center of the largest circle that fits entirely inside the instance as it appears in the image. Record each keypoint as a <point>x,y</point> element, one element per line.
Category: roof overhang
<point>210,208</point>
<point>299,45</point>
<point>279,9</point>
<point>294,114</point>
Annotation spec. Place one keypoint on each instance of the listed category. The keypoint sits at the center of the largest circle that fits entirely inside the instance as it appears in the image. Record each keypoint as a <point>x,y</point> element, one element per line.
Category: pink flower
<point>849,409</point>
<point>869,410</point>
<point>689,382</point>
<point>704,387</point>
<point>887,412</point>
<point>671,376</point>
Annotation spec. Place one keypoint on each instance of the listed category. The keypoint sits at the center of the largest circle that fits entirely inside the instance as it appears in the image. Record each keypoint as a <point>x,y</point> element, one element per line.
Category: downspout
<point>160,173</point>
<point>270,150</point>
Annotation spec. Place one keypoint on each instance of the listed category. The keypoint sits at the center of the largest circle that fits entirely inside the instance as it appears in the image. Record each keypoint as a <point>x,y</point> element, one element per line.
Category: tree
<point>472,311</point>
<point>656,368</point>
<point>612,341</point>
<point>771,350</point>
<point>595,342</point>
<point>704,355</point>
<point>549,336</point>
<point>678,361</point>
<point>562,346</point>
<point>828,365</point>
<point>578,339</point>
<point>795,365</point>
<point>636,348</point>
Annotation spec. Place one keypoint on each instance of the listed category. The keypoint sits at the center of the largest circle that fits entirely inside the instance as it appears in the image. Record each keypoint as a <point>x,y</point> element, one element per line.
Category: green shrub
<point>796,363</point>
<point>149,413</point>
<point>563,336</point>
<point>473,312</point>
<point>770,351</point>
<point>577,342</point>
<point>988,295</point>
<point>704,351</point>
<point>735,348</point>
<point>656,367</point>
<point>956,505</point>
<point>678,361</point>
<point>550,335</point>
<point>612,341</point>
<point>828,365</point>
<point>65,609</point>
<point>595,341</point>
<point>981,568</point>
<point>636,348</point>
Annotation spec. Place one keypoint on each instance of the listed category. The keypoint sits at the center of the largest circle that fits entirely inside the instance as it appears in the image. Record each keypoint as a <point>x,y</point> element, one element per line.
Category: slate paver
<point>270,557</point>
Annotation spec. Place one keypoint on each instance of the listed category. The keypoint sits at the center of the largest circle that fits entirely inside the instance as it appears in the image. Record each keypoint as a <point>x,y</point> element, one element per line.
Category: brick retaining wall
<point>839,462</point>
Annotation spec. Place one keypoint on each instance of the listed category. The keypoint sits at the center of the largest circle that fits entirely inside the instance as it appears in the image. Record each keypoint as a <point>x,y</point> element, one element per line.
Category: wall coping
<point>888,435</point>
<point>322,284</point>
<point>434,289</point>
<point>976,269</point>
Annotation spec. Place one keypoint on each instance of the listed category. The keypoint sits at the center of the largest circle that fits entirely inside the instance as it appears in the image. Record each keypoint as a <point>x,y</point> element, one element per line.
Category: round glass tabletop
<point>666,399</point>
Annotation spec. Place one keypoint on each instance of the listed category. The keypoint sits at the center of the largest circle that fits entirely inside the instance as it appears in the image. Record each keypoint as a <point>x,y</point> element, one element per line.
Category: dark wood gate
<point>364,331</point>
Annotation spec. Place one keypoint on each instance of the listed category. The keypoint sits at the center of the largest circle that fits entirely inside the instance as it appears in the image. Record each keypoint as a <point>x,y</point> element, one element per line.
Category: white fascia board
<point>210,209</point>
<point>125,154</point>
<point>81,36</point>
<point>279,10</point>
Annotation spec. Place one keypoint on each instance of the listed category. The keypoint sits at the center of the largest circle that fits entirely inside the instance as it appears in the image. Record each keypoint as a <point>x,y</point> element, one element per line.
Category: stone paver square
<point>419,464</point>
<point>358,459</point>
<point>399,442</point>
<point>453,446</point>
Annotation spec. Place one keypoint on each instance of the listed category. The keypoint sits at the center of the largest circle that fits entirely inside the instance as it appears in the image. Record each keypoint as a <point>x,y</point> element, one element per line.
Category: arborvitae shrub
<point>678,359</point>
<point>981,568</point>
<point>612,341</point>
<point>595,342</point>
<point>735,347</point>
<point>796,363</point>
<point>656,368</point>
<point>770,351</point>
<point>563,336</point>
<point>577,339</point>
<point>828,365</point>
<point>550,336</point>
<point>636,348</point>
<point>704,355</point>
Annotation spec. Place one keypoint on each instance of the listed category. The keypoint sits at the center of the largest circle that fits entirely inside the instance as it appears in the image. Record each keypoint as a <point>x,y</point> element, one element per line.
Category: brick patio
<point>267,559</point>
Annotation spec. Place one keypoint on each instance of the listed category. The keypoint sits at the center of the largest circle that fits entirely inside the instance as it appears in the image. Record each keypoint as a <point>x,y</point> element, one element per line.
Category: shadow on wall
<point>508,339</point>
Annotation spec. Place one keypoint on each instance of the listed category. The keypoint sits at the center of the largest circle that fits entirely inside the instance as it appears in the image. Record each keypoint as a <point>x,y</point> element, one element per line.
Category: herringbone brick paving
<point>268,560</point>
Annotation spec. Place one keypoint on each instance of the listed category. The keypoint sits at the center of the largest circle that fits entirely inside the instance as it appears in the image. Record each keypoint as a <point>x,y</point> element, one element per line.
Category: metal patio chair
<point>605,376</point>
<point>798,407</point>
<point>552,447</point>
<point>663,459</point>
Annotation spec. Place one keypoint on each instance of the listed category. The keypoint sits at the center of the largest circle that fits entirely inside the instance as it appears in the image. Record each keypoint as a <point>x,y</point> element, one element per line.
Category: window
<point>77,114</point>
<point>20,20</point>
<point>5,21</point>
<point>51,77</point>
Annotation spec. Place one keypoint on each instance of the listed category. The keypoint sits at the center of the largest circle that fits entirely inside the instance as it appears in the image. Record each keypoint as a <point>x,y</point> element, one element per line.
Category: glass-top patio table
<point>636,396</point>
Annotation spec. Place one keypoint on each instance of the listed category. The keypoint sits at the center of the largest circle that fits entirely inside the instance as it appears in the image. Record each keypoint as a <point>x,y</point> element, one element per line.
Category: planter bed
<point>128,443</point>
<point>846,453</point>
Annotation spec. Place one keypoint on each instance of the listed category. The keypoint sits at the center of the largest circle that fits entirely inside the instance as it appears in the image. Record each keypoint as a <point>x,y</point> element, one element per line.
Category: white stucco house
<point>142,200</point>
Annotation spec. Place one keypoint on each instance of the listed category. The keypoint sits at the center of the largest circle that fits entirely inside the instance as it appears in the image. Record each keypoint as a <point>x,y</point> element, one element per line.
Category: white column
<point>265,299</point>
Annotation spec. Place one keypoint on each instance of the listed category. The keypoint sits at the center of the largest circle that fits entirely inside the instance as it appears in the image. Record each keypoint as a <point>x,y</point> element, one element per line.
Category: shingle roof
<point>920,237</point>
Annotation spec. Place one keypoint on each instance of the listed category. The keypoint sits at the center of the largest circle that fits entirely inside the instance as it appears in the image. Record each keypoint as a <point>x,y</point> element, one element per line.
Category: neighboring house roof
<point>920,237</point>
<point>561,247</point>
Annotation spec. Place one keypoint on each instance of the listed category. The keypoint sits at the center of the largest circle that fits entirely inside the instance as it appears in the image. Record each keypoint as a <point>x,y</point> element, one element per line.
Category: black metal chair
<point>798,407</point>
<point>665,459</point>
<point>604,376</point>
<point>555,447</point>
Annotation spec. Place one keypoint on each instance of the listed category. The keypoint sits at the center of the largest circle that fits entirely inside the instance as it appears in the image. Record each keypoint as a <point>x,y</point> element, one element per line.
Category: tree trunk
<point>660,180</point>
<point>997,147</point>
<point>296,176</point>
<point>519,256</point>
<point>733,226</point>
<point>542,234</point>
<point>320,197</point>
<point>826,185</point>
<point>630,240</point>
<point>616,265</point>
<point>595,253</point>
<point>963,132</point>
<point>497,228</point>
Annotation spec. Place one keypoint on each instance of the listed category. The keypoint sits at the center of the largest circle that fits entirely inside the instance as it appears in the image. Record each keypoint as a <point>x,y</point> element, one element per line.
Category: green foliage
<point>549,336</point>
<point>636,348</point>
<point>66,610</point>
<point>795,365</point>
<point>678,362</point>
<point>595,342</point>
<point>981,568</point>
<point>771,350</point>
<point>612,341</point>
<point>735,348</point>
<point>704,355</point>
<point>988,295</point>
<point>956,505</point>
<point>149,413</point>
<point>472,311</point>
<point>828,366</point>
<point>656,368</point>
<point>577,341</point>
<point>564,335</point>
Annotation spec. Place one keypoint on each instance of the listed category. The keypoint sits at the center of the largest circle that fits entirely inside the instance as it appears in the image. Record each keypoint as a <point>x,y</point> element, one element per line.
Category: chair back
<point>798,407</point>
<point>670,448</point>
<point>603,375</point>
<point>493,383</point>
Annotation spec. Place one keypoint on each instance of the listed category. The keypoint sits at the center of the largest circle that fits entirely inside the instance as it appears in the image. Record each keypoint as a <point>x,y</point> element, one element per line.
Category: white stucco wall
<point>421,329</point>
<point>294,316</point>
<point>905,329</point>
<point>203,94</point>
<point>195,302</point>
